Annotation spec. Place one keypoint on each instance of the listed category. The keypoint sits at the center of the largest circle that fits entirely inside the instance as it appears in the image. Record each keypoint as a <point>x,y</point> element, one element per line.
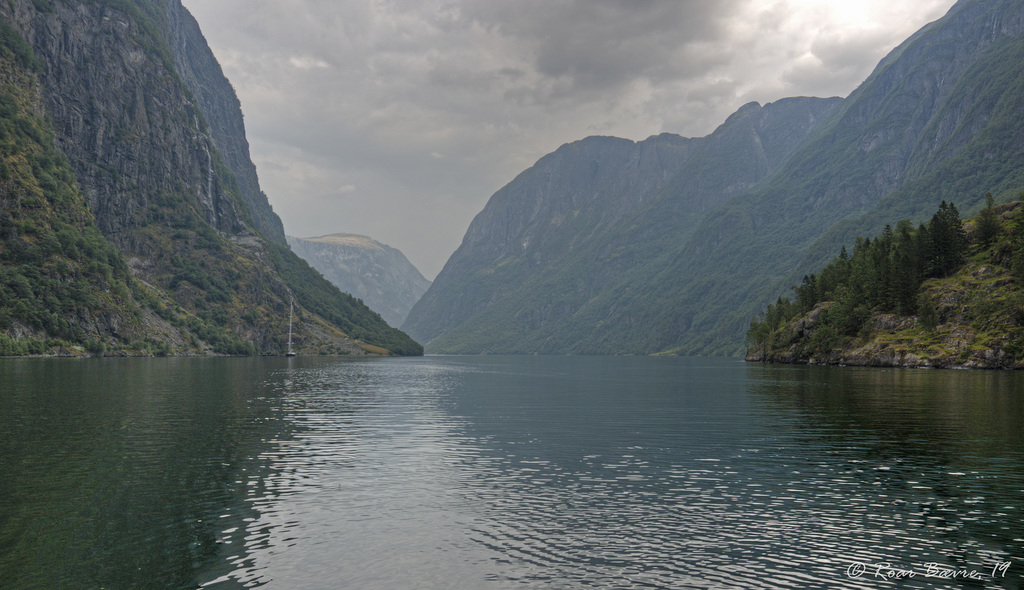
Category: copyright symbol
<point>856,570</point>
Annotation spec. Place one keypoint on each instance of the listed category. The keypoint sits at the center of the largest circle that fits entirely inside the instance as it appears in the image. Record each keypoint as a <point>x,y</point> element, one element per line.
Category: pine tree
<point>925,251</point>
<point>907,270</point>
<point>806,294</point>
<point>988,223</point>
<point>882,260</point>
<point>949,242</point>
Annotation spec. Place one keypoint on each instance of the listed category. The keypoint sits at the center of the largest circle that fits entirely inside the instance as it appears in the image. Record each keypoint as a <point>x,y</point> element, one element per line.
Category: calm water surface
<point>507,472</point>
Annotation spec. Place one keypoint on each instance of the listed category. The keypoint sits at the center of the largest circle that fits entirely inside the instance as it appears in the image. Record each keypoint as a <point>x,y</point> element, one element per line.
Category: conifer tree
<point>806,294</point>
<point>880,292</point>
<point>907,270</point>
<point>949,242</point>
<point>988,224</point>
<point>923,244</point>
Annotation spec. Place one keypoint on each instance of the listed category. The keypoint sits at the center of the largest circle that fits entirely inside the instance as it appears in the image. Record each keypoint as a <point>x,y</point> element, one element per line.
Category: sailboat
<point>291,307</point>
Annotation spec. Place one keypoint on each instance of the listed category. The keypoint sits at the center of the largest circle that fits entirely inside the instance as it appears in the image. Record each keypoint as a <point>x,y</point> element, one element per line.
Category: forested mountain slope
<point>938,119</point>
<point>58,275</point>
<point>589,221</point>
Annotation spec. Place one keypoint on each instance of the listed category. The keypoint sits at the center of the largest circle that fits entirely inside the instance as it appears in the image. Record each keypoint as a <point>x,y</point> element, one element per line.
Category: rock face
<point>154,135</point>
<point>125,122</point>
<point>376,273</point>
<point>216,98</point>
<point>678,258</point>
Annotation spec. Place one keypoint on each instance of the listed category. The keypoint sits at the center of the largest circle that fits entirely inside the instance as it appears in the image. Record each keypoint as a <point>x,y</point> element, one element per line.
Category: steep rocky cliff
<point>379,275</point>
<point>148,161</point>
<point>216,98</point>
<point>61,281</point>
<point>768,197</point>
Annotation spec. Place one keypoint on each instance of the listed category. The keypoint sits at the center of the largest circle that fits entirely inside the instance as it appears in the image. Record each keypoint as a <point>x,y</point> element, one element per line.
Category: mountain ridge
<point>594,205</point>
<point>914,118</point>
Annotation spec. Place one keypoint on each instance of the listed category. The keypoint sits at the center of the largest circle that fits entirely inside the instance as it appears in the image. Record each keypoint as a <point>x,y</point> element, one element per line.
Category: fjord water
<point>506,472</point>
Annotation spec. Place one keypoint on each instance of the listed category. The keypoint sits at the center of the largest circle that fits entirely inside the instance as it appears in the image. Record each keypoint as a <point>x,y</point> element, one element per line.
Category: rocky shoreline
<point>877,356</point>
<point>899,341</point>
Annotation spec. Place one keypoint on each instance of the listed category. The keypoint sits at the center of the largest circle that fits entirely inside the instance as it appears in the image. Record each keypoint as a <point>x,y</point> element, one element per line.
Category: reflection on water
<point>115,471</point>
<point>506,472</point>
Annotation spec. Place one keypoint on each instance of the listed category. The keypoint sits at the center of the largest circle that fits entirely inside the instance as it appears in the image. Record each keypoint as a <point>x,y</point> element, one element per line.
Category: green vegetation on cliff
<point>62,283</point>
<point>122,224</point>
<point>56,268</point>
<point>943,294</point>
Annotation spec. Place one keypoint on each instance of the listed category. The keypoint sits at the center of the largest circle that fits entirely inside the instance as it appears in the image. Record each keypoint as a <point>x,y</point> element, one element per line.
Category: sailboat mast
<point>291,306</point>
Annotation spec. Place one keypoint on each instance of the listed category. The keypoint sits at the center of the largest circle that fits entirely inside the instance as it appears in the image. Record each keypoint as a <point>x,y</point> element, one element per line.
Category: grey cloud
<point>602,44</point>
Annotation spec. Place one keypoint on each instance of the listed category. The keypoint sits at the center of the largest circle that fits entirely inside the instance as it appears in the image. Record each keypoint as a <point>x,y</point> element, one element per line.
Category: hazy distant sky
<point>398,119</point>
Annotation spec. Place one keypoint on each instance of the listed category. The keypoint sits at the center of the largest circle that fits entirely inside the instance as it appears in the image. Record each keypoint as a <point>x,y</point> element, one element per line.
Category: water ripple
<point>424,474</point>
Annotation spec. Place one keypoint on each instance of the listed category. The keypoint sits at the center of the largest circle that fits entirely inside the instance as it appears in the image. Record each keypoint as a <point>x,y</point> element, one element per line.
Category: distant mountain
<point>589,221</point>
<point>381,276</point>
<point>600,251</point>
<point>131,218</point>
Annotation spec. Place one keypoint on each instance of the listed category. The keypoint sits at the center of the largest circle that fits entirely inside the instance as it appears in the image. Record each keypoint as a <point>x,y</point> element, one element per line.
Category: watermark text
<point>932,570</point>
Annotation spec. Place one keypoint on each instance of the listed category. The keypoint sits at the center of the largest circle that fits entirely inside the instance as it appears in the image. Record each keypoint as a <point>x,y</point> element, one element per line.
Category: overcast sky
<point>398,119</point>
